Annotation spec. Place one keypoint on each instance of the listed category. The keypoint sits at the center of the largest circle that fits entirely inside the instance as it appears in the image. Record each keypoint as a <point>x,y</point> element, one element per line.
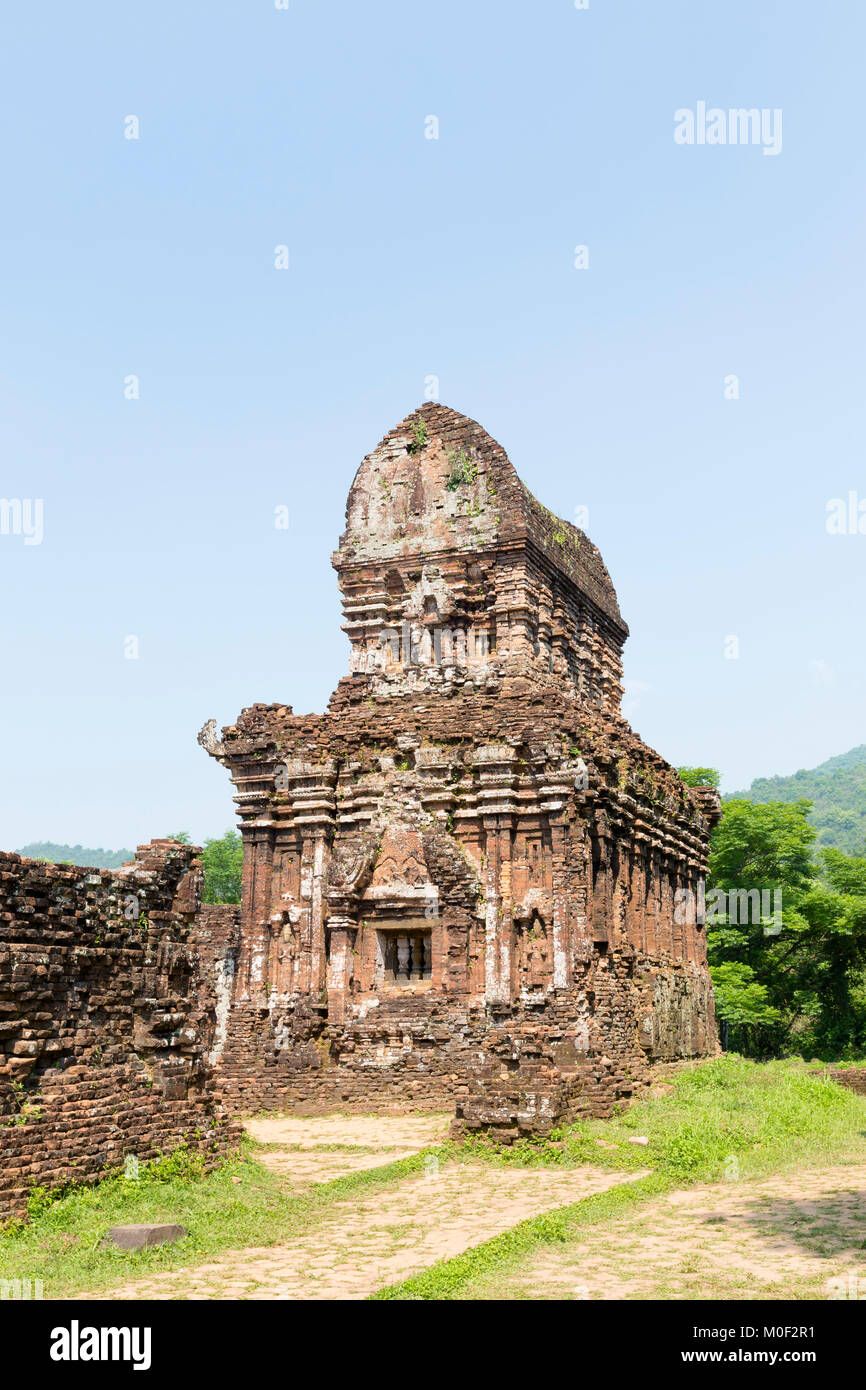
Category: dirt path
<point>308,1151</point>
<point>370,1240</point>
<point>795,1236</point>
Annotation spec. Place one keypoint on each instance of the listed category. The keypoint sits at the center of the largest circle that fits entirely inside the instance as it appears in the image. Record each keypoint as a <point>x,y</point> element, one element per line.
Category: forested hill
<point>837,789</point>
<point>75,854</point>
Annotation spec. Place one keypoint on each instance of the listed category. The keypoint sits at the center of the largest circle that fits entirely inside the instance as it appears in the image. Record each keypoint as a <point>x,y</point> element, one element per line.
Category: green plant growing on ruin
<point>419,437</point>
<point>40,1199</point>
<point>25,1109</point>
<point>462,470</point>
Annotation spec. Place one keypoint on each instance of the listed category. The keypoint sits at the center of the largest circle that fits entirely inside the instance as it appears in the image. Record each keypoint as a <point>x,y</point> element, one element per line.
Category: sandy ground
<point>374,1131</point>
<point>795,1236</point>
<point>319,1149</point>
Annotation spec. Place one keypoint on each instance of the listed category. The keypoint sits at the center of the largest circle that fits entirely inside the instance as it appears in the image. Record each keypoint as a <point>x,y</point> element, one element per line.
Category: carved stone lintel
<point>207,737</point>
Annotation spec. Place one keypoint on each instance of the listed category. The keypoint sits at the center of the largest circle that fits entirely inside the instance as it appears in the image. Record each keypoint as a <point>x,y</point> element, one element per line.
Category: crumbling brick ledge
<point>103,1035</point>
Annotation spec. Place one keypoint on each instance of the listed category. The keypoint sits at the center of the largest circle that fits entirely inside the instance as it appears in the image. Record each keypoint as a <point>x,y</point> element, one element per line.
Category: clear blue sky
<point>408,257</point>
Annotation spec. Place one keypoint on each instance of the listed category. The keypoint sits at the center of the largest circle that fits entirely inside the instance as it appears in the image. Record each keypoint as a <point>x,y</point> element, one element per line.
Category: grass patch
<point>725,1112</point>
<point>724,1118</point>
<point>238,1204</point>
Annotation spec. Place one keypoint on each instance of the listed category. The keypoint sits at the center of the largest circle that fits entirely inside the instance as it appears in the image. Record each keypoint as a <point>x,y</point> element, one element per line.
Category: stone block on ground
<point>137,1237</point>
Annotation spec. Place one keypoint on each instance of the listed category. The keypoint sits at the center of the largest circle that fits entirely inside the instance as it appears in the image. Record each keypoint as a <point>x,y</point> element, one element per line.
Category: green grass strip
<point>448,1278</point>
<point>385,1176</point>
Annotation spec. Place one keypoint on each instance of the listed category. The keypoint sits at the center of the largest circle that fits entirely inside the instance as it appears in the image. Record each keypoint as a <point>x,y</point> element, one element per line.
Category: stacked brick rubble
<point>468,883</point>
<point>854,1078</point>
<point>103,1044</point>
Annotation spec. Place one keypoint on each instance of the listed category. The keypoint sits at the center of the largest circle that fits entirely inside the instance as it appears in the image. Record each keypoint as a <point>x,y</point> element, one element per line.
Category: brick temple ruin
<point>461,882</point>
<point>463,886</point>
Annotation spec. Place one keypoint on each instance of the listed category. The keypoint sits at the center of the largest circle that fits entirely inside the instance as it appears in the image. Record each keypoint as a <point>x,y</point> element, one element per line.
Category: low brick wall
<point>104,1041</point>
<point>852,1077</point>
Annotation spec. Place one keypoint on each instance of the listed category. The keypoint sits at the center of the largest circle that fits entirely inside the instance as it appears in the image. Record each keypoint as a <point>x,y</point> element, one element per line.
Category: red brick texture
<point>103,1043</point>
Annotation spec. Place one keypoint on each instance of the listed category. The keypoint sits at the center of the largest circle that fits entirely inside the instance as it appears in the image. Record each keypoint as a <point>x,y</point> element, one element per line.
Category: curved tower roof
<point>437,483</point>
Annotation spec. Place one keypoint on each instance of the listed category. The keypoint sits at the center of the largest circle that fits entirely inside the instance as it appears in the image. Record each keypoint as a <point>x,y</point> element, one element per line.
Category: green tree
<point>699,776</point>
<point>223,861</point>
<point>798,982</point>
<point>223,864</point>
<point>762,846</point>
<point>844,872</point>
<point>742,1003</point>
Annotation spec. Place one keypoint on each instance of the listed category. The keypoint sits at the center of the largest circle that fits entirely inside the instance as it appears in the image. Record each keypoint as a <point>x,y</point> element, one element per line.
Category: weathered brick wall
<point>510,1070</point>
<point>409,1057</point>
<point>215,945</point>
<point>854,1078</point>
<point>103,1040</point>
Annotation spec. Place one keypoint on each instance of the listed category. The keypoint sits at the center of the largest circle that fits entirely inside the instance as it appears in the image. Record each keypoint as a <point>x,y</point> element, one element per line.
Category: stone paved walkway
<point>376,1238</point>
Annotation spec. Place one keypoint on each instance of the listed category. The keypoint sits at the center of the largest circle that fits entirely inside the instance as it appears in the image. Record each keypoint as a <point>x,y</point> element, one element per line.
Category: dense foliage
<point>789,975</point>
<point>699,776</point>
<point>223,865</point>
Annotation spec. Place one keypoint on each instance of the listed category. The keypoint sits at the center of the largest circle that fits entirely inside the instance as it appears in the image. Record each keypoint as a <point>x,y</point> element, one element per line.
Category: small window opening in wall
<point>407,955</point>
<point>601,947</point>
